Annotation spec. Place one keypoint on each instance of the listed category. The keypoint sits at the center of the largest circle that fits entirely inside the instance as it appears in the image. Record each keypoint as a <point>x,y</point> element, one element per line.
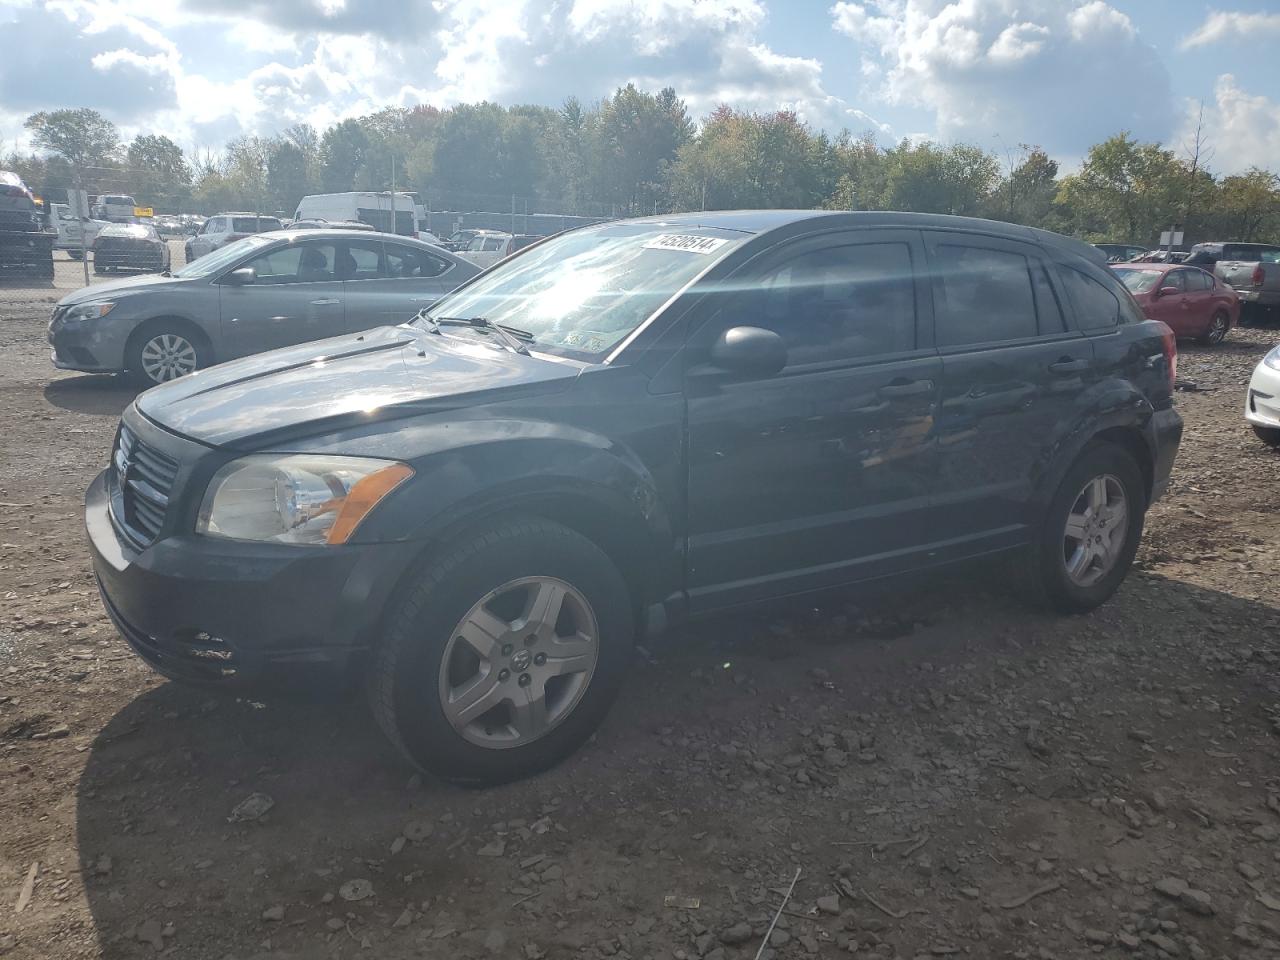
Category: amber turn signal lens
<point>364,496</point>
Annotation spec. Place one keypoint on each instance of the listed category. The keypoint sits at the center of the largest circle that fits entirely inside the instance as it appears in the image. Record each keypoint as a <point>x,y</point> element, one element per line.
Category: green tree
<point>1027,194</point>
<point>1125,191</point>
<point>957,179</point>
<point>1248,205</point>
<point>158,170</point>
<point>289,172</point>
<point>635,138</point>
<point>342,151</point>
<point>83,136</point>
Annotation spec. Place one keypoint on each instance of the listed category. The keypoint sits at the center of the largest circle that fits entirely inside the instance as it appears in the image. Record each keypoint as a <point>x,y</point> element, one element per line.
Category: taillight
<point>1170,343</point>
<point>1258,275</point>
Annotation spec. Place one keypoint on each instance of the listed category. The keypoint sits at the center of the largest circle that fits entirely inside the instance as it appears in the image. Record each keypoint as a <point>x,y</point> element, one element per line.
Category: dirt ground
<point>948,772</point>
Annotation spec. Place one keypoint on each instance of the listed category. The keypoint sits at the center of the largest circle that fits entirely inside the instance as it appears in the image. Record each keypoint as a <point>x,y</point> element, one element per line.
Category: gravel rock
<point>736,934</point>
<point>274,914</point>
<point>829,905</point>
<point>252,807</point>
<point>1171,887</point>
<point>150,932</point>
<point>356,890</point>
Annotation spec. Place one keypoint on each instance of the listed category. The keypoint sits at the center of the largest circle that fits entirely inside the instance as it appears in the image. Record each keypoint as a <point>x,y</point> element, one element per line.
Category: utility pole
<point>393,194</point>
<point>81,210</point>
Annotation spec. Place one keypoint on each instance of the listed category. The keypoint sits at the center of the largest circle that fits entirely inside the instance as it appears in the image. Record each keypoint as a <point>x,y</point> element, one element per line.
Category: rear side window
<point>986,295</point>
<point>254,224</point>
<point>839,303</point>
<point>361,260</point>
<point>1197,279</point>
<point>1097,306</point>
<point>409,262</point>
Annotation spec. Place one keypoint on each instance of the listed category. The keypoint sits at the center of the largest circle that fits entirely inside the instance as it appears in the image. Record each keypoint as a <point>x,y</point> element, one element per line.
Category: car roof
<point>763,221</point>
<point>332,232</point>
<point>246,213</point>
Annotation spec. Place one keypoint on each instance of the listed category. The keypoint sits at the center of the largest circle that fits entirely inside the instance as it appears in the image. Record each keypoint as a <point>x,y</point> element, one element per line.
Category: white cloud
<point>1241,129</point>
<point>1220,26</point>
<point>1060,73</point>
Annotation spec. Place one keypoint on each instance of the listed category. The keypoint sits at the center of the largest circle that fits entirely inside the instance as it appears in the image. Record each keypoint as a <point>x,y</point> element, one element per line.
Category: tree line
<point>637,152</point>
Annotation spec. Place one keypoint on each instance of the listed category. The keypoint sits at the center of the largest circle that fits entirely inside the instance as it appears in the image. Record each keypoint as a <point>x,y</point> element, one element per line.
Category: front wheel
<point>1090,533</point>
<point>504,655</point>
<point>1268,435</point>
<point>1217,332</point>
<point>160,355</point>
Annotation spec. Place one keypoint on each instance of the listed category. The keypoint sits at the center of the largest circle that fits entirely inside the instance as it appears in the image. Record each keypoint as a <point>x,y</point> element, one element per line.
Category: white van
<point>366,207</point>
<point>69,230</point>
<point>115,207</point>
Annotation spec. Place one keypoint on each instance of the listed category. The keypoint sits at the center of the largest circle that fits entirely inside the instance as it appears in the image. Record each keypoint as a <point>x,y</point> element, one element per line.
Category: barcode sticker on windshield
<point>677,241</point>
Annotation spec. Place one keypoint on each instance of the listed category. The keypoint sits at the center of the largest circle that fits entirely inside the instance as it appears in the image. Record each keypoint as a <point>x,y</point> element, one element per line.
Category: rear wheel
<point>1268,435</point>
<point>161,354</point>
<point>1091,530</point>
<point>1219,324</point>
<point>504,655</point>
<point>74,254</point>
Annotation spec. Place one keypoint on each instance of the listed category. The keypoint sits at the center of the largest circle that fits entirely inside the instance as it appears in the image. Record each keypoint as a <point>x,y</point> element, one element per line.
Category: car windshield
<point>222,257</point>
<point>582,293</point>
<point>1139,281</point>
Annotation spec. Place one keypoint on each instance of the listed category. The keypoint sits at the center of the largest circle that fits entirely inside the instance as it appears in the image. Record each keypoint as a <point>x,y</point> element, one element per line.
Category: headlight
<point>1272,359</point>
<point>296,498</point>
<point>89,311</point>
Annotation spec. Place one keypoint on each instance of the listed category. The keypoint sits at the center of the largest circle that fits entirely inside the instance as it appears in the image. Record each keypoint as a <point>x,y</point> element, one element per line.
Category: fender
<point>1111,406</point>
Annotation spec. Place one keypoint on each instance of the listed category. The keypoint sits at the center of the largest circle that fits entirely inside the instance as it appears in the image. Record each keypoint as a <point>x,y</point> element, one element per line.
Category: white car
<point>226,228</point>
<point>1262,408</point>
<point>69,230</point>
<point>488,248</point>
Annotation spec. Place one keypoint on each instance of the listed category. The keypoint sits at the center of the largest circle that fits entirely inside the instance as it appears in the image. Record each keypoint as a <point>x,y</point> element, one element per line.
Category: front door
<point>1174,307</point>
<point>1012,371</point>
<point>295,296</point>
<point>818,474</point>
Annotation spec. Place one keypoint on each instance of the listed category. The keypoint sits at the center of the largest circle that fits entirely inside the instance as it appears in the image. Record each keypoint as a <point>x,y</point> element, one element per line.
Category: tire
<point>1051,582</point>
<point>73,254</point>
<point>413,669</point>
<point>1219,325</point>
<point>148,349</point>
<point>1268,435</point>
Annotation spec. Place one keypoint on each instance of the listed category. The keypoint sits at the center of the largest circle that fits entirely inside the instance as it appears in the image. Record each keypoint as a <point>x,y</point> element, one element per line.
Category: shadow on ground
<point>91,394</point>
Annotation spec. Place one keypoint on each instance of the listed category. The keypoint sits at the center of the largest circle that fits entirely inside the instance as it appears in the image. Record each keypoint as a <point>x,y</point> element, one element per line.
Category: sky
<point>1062,74</point>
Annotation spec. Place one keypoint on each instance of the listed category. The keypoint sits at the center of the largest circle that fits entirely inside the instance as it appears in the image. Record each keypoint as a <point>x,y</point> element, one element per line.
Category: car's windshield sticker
<point>688,244</point>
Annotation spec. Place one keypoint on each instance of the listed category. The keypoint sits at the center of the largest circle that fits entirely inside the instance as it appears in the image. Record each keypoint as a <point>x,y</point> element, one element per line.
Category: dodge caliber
<point>478,512</point>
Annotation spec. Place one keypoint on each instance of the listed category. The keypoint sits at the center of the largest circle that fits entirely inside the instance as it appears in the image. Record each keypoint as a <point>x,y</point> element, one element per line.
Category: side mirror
<point>1168,291</point>
<point>241,276</point>
<point>749,352</point>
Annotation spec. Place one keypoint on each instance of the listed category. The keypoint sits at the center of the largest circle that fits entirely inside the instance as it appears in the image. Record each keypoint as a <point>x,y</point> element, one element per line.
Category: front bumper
<point>91,346</point>
<point>218,611</point>
<point>1262,403</point>
<point>1166,426</point>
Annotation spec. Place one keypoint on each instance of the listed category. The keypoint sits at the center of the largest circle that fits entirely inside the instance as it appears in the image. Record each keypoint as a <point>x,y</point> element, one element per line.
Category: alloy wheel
<point>1217,329</point>
<point>519,662</point>
<point>1096,529</point>
<point>168,356</point>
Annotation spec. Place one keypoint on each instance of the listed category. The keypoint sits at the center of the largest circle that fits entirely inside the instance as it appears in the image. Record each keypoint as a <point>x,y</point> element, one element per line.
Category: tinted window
<point>361,260</point>
<point>295,263</point>
<point>410,262</point>
<point>1196,279</point>
<point>1251,252</point>
<point>840,303</point>
<point>1096,306</point>
<point>254,224</point>
<point>986,295</point>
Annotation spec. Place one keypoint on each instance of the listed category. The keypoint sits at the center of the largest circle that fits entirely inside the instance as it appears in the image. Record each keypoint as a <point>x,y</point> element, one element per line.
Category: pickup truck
<point>1251,269</point>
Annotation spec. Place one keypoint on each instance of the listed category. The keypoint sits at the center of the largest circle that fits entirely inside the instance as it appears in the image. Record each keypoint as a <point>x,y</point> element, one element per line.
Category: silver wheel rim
<point>1218,329</point>
<point>1096,530</point>
<point>519,662</point>
<point>168,356</point>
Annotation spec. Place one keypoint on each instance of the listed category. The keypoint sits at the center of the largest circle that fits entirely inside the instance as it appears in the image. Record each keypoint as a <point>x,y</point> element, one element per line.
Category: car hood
<point>325,385</point>
<point>123,286</point>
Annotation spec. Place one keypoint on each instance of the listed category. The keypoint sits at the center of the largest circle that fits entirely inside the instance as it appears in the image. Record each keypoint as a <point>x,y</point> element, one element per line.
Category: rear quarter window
<point>1100,303</point>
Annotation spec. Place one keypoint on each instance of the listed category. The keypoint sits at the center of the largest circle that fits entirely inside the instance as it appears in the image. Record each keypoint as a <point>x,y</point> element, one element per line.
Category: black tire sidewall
<point>427,616</point>
<point>1061,592</point>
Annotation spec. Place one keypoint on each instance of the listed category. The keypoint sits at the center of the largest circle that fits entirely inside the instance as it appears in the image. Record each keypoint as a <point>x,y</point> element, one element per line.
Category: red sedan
<point>1193,302</point>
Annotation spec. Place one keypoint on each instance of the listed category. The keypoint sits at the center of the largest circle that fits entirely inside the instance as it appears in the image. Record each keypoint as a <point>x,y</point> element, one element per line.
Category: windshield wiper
<point>508,335</point>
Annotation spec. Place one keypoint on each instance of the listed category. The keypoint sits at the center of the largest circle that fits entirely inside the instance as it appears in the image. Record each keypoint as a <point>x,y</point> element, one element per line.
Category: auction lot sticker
<point>678,241</point>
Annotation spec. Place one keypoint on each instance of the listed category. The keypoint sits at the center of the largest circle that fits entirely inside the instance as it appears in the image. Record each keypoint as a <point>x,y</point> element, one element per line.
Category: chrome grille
<point>144,477</point>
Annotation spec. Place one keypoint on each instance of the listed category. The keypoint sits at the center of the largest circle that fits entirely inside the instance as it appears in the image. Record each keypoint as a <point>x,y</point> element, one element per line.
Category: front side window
<point>837,303</point>
<point>582,293</point>
<point>223,257</point>
<point>986,295</point>
<point>295,263</point>
<point>1176,279</point>
<point>1139,281</point>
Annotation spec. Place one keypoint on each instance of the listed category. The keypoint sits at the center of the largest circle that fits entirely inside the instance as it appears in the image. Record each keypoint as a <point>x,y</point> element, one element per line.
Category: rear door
<point>388,282</point>
<point>1199,301</point>
<point>1011,372</point>
<point>820,473</point>
<point>296,296</point>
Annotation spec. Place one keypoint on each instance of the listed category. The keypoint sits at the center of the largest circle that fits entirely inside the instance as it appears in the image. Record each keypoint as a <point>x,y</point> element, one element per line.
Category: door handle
<point>1066,366</point>
<point>324,302</point>
<point>907,388</point>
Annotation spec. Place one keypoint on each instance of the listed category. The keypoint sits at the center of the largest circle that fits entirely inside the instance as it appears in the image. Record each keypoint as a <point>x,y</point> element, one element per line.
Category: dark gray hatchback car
<point>268,290</point>
<point>621,427</point>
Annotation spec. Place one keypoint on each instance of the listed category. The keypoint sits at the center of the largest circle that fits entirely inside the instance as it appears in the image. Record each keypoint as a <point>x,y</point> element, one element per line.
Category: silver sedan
<point>265,291</point>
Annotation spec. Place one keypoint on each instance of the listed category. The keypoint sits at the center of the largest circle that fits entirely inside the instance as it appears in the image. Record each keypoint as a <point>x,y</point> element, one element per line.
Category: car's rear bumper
<point>229,612</point>
<point>1166,428</point>
<point>1261,298</point>
<point>1262,403</point>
